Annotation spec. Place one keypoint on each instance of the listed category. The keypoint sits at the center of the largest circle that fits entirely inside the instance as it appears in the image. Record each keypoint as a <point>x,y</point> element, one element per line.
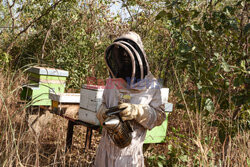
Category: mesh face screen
<point>137,48</point>
<point>137,66</point>
<point>112,61</point>
<point>119,62</point>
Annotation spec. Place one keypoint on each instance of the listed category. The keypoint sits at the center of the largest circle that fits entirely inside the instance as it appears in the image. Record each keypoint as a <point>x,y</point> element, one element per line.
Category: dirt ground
<point>48,133</point>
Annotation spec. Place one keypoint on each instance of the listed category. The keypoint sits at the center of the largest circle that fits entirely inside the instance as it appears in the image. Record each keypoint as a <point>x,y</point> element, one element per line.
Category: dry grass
<point>21,146</point>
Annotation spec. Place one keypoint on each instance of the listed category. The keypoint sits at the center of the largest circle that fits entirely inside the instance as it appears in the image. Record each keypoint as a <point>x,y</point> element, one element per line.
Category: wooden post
<point>70,132</point>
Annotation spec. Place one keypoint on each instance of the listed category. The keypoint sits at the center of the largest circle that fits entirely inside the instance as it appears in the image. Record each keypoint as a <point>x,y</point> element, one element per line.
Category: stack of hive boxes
<point>42,81</point>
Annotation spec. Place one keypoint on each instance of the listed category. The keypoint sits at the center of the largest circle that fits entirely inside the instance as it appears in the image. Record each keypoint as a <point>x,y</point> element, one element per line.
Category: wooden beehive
<point>158,133</point>
<point>42,81</point>
<point>90,101</point>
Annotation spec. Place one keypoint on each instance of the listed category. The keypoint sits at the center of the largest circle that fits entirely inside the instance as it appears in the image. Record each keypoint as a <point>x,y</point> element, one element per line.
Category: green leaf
<point>170,148</point>
<point>217,55</point>
<point>209,105</point>
<point>199,85</point>
<point>225,66</point>
<point>184,158</point>
<point>160,15</point>
<point>195,13</point>
<point>243,64</point>
<point>159,163</point>
<point>195,27</point>
<point>161,157</point>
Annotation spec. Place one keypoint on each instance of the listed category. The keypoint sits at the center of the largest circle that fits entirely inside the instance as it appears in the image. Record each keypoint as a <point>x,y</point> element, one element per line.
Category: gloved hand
<point>101,114</point>
<point>137,112</point>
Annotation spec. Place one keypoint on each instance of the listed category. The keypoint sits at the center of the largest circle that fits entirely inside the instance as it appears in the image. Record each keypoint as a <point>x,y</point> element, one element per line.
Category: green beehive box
<point>158,133</point>
<point>42,81</point>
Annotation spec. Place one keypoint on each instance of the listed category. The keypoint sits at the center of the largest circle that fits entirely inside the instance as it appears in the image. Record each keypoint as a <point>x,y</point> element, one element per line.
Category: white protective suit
<point>146,92</point>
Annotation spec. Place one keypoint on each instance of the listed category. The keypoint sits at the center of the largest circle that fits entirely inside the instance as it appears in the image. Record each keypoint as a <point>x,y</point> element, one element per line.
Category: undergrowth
<point>185,146</point>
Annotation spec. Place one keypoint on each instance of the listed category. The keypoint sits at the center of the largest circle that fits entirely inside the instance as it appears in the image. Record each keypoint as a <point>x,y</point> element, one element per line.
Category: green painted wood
<point>47,77</point>
<point>158,133</point>
<point>37,91</point>
<point>40,95</point>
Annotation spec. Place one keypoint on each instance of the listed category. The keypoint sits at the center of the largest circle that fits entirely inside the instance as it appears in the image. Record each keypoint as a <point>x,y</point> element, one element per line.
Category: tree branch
<point>11,14</point>
<point>126,6</point>
<point>45,39</point>
<point>31,23</point>
<point>217,2</point>
<point>182,94</point>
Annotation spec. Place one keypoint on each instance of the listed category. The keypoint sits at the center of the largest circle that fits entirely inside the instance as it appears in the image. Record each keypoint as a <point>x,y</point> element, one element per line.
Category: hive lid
<point>48,71</point>
<point>93,87</point>
<point>65,97</point>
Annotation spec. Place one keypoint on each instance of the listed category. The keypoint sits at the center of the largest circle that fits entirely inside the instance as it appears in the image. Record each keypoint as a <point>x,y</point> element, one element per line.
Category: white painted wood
<point>168,107</point>
<point>164,95</point>
<point>91,99</point>
<point>88,116</point>
<point>48,71</point>
<point>65,97</point>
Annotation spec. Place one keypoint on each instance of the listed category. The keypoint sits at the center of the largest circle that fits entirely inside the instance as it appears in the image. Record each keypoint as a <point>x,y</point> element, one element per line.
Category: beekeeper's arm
<point>148,116</point>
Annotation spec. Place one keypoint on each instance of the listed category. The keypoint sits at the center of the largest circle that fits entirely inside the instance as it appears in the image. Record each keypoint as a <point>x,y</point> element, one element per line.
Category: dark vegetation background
<point>199,48</point>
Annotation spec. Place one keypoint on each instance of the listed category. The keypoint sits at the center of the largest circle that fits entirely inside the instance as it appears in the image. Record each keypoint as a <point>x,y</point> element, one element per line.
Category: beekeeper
<point>140,95</point>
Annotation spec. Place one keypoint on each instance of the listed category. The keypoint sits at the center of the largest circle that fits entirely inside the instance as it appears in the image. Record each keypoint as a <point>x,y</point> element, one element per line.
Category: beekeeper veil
<point>126,58</point>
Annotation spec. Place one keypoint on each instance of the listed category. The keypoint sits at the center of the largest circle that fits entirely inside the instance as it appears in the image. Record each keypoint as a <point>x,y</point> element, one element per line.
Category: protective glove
<point>137,112</point>
<point>101,114</point>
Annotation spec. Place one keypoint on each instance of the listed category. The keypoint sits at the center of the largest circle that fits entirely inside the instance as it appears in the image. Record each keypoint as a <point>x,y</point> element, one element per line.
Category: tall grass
<point>194,140</point>
<point>21,146</point>
<point>187,144</point>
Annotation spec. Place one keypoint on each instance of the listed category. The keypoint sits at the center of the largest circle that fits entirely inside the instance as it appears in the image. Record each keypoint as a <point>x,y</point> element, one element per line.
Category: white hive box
<point>90,101</point>
<point>164,95</point>
<point>164,98</point>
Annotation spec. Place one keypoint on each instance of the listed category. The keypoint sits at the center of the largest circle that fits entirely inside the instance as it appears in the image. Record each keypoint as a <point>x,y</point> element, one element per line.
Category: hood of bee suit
<point>126,58</point>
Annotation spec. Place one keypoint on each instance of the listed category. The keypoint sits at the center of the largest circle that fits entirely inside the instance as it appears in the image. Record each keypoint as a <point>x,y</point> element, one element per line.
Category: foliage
<point>198,48</point>
<point>72,36</point>
<point>202,47</point>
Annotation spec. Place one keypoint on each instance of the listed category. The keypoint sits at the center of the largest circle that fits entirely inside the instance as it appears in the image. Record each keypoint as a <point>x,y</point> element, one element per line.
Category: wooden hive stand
<point>66,105</point>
